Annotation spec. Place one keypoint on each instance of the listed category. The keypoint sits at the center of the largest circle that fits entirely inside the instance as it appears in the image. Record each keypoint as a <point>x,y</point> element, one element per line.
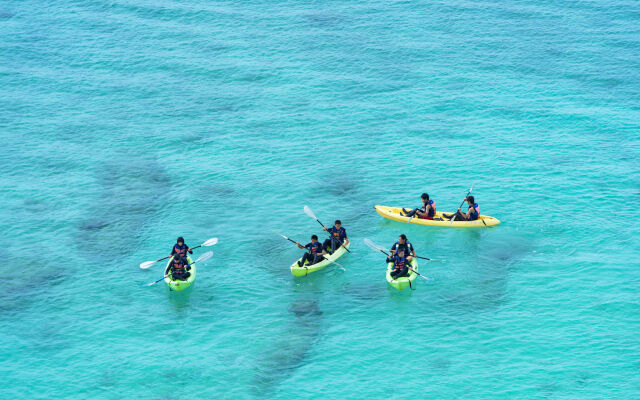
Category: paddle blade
<point>210,242</point>
<point>310,213</point>
<point>203,257</point>
<point>152,283</point>
<point>147,264</point>
<point>373,245</point>
<point>280,234</point>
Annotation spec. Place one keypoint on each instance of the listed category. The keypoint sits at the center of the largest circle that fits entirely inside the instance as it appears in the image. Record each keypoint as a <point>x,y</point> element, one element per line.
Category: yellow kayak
<point>394,214</point>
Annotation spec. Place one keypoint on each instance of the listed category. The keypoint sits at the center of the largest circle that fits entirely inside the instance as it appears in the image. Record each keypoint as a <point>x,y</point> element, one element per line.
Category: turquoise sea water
<point>126,124</point>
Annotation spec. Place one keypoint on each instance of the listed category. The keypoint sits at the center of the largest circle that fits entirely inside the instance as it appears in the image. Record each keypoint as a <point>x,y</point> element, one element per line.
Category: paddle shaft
<point>465,199</point>
<point>387,254</point>
<point>311,214</point>
<point>153,283</point>
<point>341,243</point>
<point>164,258</point>
<point>418,273</point>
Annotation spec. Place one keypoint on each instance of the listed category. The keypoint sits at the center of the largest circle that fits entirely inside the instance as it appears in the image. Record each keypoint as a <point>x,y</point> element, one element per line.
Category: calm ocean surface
<point>126,124</point>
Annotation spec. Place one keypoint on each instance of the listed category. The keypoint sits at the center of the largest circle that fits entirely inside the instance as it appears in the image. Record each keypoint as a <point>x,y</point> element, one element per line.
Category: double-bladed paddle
<point>203,257</point>
<point>209,242</point>
<point>383,250</point>
<point>310,213</point>
<point>296,243</point>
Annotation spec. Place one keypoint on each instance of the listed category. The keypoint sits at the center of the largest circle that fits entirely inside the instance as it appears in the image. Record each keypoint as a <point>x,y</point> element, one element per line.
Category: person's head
<point>176,257</point>
<point>425,197</point>
<point>338,223</point>
<point>180,241</point>
<point>402,238</point>
<point>471,200</point>
<point>401,252</point>
<point>314,238</point>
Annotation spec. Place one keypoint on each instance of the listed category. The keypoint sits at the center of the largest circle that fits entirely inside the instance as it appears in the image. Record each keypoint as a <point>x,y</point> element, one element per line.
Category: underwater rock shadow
<point>6,14</point>
<point>133,191</point>
<point>290,350</point>
<point>489,276</point>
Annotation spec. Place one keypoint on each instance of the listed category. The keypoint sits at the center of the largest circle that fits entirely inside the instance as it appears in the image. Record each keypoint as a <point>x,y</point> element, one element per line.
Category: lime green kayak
<point>403,282</point>
<point>180,285</point>
<point>307,269</point>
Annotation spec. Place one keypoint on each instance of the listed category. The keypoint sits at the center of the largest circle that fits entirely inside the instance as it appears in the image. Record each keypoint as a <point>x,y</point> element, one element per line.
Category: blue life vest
<point>475,212</point>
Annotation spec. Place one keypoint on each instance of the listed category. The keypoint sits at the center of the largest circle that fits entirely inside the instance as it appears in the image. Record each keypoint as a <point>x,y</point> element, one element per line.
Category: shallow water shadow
<point>488,275</point>
<point>290,350</point>
<point>5,14</point>
<point>133,190</point>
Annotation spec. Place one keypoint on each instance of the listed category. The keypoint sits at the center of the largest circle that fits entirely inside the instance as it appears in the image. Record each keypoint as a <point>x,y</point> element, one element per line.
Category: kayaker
<point>181,248</point>
<point>178,268</point>
<point>400,264</point>
<point>404,244</point>
<point>338,237</point>
<point>315,254</point>
<point>472,213</point>
<point>427,211</point>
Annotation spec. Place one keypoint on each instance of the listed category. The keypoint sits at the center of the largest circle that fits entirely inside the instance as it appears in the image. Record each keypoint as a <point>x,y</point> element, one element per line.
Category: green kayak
<point>180,285</point>
<point>307,269</point>
<point>403,282</point>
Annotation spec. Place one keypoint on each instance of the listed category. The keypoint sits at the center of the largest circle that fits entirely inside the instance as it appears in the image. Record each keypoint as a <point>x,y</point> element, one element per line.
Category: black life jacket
<point>315,248</point>
<point>180,250</point>
<point>337,233</point>
<point>178,266</point>
<point>400,262</point>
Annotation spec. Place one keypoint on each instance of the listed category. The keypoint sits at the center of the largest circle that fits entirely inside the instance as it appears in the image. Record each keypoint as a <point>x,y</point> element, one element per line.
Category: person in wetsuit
<point>315,254</point>
<point>427,211</point>
<point>472,213</point>
<point>181,248</point>
<point>404,244</point>
<point>401,264</point>
<point>178,268</point>
<point>338,237</point>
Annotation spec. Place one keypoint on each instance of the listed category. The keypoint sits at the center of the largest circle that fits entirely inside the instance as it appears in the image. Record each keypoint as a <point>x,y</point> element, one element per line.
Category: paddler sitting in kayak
<point>405,245</point>
<point>181,248</point>
<point>400,264</point>
<point>427,211</point>
<point>178,268</point>
<point>472,213</point>
<point>315,254</point>
<point>338,237</point>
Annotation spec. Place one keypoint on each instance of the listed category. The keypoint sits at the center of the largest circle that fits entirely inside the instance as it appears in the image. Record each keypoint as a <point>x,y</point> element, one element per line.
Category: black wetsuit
<point>179,270</point>
<point>313,255</point>
<point>473,215</point>
<point>407,246</point>
<point>337,238</point>
<point>181,250</point>
<point>400,266</point>
<point>431,213</point>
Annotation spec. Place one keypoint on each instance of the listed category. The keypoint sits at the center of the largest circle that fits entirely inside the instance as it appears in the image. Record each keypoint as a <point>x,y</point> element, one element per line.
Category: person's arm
<point>468,214</point>
<point>189,249</point>
<point>346,239</point>
<point>393,249</point>
<point>173,250</point>
<point>412,249</point>
<point>300,246</point>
